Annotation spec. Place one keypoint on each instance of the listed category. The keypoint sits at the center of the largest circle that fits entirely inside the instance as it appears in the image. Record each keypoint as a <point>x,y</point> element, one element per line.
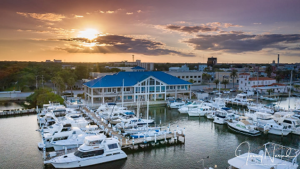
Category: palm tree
<point>216,82</point>
<point>268,71</point>
<point>191,81</point>
<point>270,91</point>
<point>71,82</point>
<point>278,78</point>
<point>225,82</point>
<point>233,75</point>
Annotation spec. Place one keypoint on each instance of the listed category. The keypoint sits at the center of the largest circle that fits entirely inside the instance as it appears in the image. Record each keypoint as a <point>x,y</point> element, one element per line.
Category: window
<point>186,76</point>
<point>129,97</point>
<point>127,88</point>
<point>163,88</point>
<point>178,77</point>
<point>88,154</point>
<point>168,87</point>
<point>182,87</point>
<point>191,76</point>
<point>109,89</point>
<point>60,138</point>
<point>144,83</point>
<point>112,146</point>
<point>199,76</point>
<point>159,95</point>
<point>199,81</point>
<point>195,76</point>
<point>157,88</point>
<point>178,87</point>
<point>152,81</point>
<point>158,83</point>
<point>182,77</point>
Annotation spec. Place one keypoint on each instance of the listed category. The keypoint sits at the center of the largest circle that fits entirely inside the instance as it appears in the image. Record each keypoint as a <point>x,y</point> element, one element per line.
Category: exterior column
<point>175,92</point>
<point>134,94</point>
<point>165,93</point>
<point>190,92</point>
<point>103,95</point>
<point>92,95</point>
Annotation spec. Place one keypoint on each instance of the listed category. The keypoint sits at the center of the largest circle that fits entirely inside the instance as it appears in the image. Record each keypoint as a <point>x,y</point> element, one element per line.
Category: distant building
<point>138,69</point>
<point>261,84</point>
<point>147,66</point>
<point>202,67</point>
<point>195,76</point>
<point>68,67</point>
<point>183,68</point>
<point>57,61</point>
<point>48,60</point>
<point>211,61</point>
<point>226,76</point>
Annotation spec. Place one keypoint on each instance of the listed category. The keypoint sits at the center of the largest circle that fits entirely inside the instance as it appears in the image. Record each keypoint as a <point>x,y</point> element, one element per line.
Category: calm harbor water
<point>18,143</point>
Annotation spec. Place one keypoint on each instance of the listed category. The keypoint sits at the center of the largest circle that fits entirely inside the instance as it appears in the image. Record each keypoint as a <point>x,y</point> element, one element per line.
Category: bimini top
<point>132,78</point>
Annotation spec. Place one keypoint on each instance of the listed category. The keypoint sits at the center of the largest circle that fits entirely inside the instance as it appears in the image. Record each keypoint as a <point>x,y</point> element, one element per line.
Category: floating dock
<point>8,113</point>
<point>125,142</point>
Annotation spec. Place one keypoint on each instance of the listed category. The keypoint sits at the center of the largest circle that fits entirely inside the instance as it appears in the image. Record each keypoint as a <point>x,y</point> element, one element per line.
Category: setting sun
<point>89,34</point>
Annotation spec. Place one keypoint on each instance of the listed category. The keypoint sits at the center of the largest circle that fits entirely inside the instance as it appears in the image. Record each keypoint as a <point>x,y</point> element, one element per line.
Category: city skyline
<point>152,31</point>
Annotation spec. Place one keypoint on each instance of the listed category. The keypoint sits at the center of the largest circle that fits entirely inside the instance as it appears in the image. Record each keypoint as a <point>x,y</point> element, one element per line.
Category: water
<point>10,105</point>
<point>18,143</point>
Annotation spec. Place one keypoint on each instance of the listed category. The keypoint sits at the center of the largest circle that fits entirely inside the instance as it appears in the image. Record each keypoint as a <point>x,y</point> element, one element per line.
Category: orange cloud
<point>44,16</point>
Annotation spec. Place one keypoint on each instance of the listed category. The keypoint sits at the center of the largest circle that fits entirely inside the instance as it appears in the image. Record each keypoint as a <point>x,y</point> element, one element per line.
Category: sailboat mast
<point>148,97</point>
<point>290,88</point>
<point>123,93</point>
<point>257,86</point>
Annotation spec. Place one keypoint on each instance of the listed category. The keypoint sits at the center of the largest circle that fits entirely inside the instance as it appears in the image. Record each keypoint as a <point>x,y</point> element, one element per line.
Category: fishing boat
<point>95,150</point>
<point>222,116</point>
<point>201,111</point>
<point>243,126</point>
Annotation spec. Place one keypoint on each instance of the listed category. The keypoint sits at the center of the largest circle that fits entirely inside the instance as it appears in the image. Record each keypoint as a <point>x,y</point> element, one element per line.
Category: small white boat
<point>243,126</point>
<point>201,111</point>
<point>176,104</point>
<point>95,150</point>
<point>222,116</point>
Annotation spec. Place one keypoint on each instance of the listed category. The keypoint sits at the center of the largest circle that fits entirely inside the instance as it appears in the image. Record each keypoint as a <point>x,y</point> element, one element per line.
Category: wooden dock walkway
<point>126,142</point>
<point>17,112</point>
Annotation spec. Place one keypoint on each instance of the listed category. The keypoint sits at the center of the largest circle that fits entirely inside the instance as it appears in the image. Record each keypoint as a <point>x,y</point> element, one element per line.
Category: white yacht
<point>266,160</point>
<point>266,122</point>
<point>185,108</point>
<point>243,126</point>
<point>201,111</point>
<point>241,99</point>
<point>210,115</point>
<point>175,104</point>
<point>95,150</point>
<point>74,140</point>
<point>222,116</point>
<point>260,108</point>
<point>64,134</point>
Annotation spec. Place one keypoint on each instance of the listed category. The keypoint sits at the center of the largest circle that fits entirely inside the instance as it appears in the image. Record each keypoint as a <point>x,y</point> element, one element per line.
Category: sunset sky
<point>153,31</point>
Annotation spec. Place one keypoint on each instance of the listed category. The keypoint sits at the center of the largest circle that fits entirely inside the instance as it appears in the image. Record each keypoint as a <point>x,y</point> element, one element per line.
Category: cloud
<point>223,25</point>
<point>139,11</point>
<point>191,29</point>
<point>120,44</point>
<point>78,16</point>
<point>238,43</point>
<point>110,12</point>
<point>129,13</point>
<point>44,16</point>
<point>257,23</point>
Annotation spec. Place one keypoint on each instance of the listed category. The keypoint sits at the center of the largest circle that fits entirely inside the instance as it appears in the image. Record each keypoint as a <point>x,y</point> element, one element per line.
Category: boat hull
<point>230,126</point>
<point>90,161</point>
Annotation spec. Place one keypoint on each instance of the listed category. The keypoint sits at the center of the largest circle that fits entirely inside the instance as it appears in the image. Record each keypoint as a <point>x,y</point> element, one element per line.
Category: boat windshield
<point>88,154</point>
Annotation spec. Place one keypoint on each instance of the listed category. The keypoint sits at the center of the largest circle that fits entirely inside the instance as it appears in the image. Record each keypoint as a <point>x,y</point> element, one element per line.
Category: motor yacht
<point>222,116</point>
<point>200,111</point>
<point>243,126</point>
<point>95,150</point>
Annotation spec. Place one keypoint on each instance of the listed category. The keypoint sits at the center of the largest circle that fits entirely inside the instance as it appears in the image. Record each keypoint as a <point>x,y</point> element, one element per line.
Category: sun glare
<point>89,34</point>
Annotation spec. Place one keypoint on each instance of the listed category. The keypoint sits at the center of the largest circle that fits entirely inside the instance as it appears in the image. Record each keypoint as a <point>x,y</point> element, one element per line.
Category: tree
<point>270,91</point>
<point>42,96</point>
<point>71,82</point>
<point>206,76</point>
<point>268,71</point>
<point>278,78</point>
<point>225,82</point>
<point>82,72</point>
<point>59,84</point>
<point>191,81</point>
<point>216,82</point>
<point>297,87</point>
<point>233,75</point>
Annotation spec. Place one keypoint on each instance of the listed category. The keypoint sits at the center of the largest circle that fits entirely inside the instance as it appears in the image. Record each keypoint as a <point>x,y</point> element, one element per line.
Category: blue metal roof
<point>132,78</point>
<point>138,68</point>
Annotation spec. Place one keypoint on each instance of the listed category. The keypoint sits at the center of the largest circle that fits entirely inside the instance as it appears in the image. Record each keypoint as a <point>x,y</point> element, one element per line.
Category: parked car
<point>232,90</point>
<point>226,92</point>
